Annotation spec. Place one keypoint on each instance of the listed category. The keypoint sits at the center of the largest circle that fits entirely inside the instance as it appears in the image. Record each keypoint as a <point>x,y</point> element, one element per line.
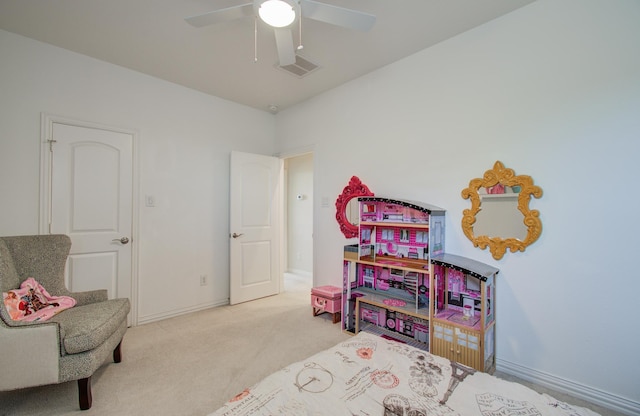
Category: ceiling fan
<point>282,14</point>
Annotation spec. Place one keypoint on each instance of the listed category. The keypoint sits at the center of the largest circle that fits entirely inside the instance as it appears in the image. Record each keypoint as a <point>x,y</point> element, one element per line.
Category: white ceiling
<point>151,36</point>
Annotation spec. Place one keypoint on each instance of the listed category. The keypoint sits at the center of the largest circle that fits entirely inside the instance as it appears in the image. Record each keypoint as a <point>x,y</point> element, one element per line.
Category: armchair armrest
<point>38,342</point>
<point>90,296</point>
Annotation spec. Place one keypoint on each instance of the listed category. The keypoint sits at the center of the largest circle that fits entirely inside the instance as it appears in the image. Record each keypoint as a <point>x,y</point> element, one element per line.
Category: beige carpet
<point>192,364</point>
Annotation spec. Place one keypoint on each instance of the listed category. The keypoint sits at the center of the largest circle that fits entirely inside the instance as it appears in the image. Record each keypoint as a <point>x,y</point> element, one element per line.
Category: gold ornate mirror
<point>500,217</point>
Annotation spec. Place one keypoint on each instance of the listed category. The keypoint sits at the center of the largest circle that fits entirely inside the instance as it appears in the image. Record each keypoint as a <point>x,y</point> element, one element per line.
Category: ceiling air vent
<point>301,68</point>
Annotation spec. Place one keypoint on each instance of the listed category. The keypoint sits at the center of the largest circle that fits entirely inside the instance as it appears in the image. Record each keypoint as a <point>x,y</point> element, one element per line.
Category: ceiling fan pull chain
<point>300,47</point>
<point>255,39</point>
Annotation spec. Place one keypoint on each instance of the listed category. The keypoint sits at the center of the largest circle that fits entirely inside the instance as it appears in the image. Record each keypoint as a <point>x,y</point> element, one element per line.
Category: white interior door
<point>91,200</point>
<point>254,233</point>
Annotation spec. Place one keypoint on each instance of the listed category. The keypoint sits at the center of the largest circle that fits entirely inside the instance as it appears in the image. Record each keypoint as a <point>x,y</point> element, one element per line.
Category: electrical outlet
<point>203,280</point>
<point>150,200</point>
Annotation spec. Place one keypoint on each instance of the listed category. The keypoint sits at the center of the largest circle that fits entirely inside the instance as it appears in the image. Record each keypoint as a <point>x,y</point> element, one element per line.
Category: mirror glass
<point>348,208</point>
<point>353,212</point>
<point>500,217</point>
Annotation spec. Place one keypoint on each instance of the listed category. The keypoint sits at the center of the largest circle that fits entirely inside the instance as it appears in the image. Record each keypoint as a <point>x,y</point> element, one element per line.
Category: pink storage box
<point>327,299</point>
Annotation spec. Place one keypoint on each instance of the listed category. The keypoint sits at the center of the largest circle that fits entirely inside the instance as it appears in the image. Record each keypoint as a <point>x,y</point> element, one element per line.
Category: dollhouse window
<point>438,231</point>
<point>388,235</point>
<point>422,237</point>
<point>404,235</point>
<point>368,208</point>
<point>472,284</point>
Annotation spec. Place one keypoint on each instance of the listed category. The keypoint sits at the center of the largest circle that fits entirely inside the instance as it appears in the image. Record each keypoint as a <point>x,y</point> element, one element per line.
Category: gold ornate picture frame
<point>502,177</point>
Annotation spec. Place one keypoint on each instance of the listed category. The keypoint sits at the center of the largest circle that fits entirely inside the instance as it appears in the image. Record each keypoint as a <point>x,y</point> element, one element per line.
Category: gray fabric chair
<point>73,344</point>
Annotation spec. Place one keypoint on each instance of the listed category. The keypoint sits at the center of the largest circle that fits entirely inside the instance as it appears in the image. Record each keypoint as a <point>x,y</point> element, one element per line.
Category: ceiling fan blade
<point>339,16</point>
<point>222,15</point>
<point>284,43</point>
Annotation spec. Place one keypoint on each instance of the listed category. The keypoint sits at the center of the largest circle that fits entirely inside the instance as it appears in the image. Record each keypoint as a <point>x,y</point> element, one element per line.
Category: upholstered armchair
<point>71,345</point>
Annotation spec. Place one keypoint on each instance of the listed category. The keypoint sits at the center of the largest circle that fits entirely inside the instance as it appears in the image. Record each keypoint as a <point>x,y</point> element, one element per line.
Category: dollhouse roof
<point>420,206</point>
<point>475,268</point>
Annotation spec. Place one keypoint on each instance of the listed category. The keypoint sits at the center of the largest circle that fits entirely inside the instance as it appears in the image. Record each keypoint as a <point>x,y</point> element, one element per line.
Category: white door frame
<point>283,212</point>
<point>46,127</point>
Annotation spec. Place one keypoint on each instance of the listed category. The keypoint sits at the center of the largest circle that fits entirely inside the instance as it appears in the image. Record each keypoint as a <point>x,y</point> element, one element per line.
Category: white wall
<point>553,91</point>
<point>300,214</point>
<point>185,141</point>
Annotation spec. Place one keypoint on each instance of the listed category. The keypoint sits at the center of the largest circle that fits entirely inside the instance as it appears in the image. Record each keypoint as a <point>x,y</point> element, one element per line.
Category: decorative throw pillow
<point>32,302</point>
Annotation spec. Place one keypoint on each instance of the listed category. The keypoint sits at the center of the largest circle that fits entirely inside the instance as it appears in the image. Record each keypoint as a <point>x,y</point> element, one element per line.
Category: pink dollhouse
<point>399,282</point>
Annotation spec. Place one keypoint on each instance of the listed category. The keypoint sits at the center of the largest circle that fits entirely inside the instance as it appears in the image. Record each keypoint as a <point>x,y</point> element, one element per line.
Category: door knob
<point>234,235</point>
<point>123,240</point>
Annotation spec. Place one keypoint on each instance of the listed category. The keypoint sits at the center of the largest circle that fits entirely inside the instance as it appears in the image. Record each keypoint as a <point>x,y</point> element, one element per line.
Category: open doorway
<point>298,207</point>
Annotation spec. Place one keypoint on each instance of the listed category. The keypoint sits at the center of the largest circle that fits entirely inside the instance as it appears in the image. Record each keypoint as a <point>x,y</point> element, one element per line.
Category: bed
<point>370,375</point>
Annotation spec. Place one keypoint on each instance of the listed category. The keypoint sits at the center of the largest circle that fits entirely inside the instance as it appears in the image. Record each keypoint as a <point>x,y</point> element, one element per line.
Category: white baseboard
<point>177,312</point>
<point>595,396</point>
<point>301,273</point>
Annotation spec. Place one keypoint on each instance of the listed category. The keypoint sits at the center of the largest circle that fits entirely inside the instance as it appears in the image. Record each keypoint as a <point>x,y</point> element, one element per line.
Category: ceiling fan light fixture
<point>277,13</point>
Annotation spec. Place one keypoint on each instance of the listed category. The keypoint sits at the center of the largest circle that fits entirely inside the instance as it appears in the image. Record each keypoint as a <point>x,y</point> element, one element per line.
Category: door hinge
<point>51,142</point>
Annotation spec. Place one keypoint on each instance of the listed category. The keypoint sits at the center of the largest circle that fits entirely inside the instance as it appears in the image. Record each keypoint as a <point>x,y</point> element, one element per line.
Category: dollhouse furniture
<point>327,299</point>
<point>71,345</point>
<point>398,282</point>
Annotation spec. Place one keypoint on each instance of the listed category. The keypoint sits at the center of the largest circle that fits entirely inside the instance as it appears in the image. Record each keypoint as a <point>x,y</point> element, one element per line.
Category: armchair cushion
<point>84,328</point>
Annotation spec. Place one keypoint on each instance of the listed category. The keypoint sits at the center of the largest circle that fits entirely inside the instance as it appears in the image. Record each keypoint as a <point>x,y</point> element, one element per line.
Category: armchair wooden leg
<point>84,384</point>
<point>117,353</point>
<point>84,390</point>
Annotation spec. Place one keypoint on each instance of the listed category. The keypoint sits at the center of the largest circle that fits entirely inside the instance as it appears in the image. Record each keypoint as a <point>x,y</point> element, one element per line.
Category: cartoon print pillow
<point>32,302</point>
